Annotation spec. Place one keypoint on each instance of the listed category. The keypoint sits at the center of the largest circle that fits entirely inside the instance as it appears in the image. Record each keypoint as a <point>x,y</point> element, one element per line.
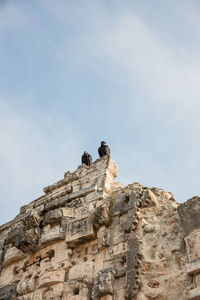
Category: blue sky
<point>73,73</point>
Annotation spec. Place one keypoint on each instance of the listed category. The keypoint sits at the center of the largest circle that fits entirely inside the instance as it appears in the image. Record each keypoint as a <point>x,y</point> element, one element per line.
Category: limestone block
<point>51,277</point>
<point>141,296</point>
<point>81,270</point>
<point>13,234</point>
<point>121,265</point>
<point>100,216</point>
<point>28,239</point>
<point>103,283</point>
<point>28,296</point>
<point>8,291</point>
<point>94,196</point>
<point>119,294</point>
<point>74,297</point>
<point>149,198</point>
<point>112,167</point>
<point>55,203</point>
<point>62,254</point>
<point>115,250</point>
<point>194,294</point>
<point>75,203</point>
<point>25,286</point>
<point>106,297</point>
<point>20,237</point>
<point>79,231</point>
<point>49,292</point>
<point>99,263</point>
<point>31,221</point>
<point>126,201</point>
<point>65,190</point>
<point>12,255</point>
<point>104,236</point>
<point>76,291</point>
<point>189,213</point>
<point>83,192</point>
<point>119,288</point>
<point>71,176</point>
<point>132,286</point>
<point>196,279</point>
<point>39,209</point>
<point>61,184</point>
<point>193,267</point>
<point>133,262</point>
<point>68,212</point>
<point>193,245</point>
<point>53,234</point>
<point>83,211</point>
<point>53,217</point>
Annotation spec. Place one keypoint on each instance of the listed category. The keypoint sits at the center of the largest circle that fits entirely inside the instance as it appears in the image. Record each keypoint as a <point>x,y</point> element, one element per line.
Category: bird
<point>103,149</point>
<point>86,159</point>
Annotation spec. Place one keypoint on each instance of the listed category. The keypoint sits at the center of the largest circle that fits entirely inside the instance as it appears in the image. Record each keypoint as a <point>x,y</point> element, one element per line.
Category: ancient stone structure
<point>89,237</point>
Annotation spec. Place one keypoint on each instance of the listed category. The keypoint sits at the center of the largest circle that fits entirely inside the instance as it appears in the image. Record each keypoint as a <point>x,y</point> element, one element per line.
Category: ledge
<point>193,267</point>
<point>194,294</point>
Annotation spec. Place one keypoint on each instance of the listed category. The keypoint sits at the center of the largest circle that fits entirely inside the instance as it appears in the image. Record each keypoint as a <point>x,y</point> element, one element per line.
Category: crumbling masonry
<point>89,237</point>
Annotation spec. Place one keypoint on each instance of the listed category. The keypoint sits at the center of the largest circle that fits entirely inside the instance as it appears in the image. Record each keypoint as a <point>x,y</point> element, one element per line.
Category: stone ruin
<point>89,237</point>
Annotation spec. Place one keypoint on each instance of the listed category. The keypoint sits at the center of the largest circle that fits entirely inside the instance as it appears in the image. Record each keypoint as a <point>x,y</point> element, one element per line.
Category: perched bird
<point>103,149</point>
<point>86,158</point>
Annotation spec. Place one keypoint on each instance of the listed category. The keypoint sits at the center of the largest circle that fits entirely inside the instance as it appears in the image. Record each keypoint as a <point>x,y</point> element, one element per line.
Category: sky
<point>74,73</point>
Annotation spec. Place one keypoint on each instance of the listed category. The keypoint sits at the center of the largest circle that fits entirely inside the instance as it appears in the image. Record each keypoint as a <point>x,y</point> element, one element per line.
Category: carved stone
<point>89,237</point>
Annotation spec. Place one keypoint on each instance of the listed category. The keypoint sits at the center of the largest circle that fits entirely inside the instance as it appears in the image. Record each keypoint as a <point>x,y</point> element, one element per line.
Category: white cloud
<point>117,44</point>
<point>36,149</point>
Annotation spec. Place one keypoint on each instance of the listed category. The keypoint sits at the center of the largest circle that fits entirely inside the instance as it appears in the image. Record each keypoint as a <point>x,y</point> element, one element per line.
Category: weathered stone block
<point>132,284</point>
<point>189,213</point>
<point>51,277</point>
<point>194,294</point>
<point>23,239</point>
<point>29,296</point>
<point>25,286</point>
<point>104,236</point>
<point>193,245</point>
<point>14,233</point>
<point>121,265</point>
<point>100,216</point>
<point>107,297</point>
<point>79,231</point>
<point>7,292</point>
<point>49,292</point>
<point>81,270</point>
<point>53,234</point>
<point>103,283</point>
<point>12,255</point>
<point>32,221</point>
<point>53,217</point>
<point>148,198</point>
<point>193,267</point>
<point>56,203</point>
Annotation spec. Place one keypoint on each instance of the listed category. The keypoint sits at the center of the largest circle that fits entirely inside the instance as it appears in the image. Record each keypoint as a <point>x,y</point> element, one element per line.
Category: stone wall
<point>89,237</point>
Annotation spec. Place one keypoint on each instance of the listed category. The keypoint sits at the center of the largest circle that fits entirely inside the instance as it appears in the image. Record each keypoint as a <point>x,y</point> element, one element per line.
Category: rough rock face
<point>91,238</point>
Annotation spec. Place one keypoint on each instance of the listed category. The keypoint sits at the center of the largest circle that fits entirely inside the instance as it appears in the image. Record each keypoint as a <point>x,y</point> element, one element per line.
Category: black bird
<point>103,149</point>
<point>86,159</point>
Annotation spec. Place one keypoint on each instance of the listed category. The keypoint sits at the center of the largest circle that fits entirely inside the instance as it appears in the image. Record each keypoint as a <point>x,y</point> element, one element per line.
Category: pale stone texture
<point>89,237</point>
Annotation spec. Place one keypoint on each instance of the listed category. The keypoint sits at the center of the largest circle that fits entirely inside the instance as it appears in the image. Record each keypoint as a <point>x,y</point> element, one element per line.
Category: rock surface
<point>89,237</point>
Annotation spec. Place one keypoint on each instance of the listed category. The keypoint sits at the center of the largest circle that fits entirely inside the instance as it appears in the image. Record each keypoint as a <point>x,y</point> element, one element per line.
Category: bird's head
<point>85,152</point>
<point>103,143</point>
